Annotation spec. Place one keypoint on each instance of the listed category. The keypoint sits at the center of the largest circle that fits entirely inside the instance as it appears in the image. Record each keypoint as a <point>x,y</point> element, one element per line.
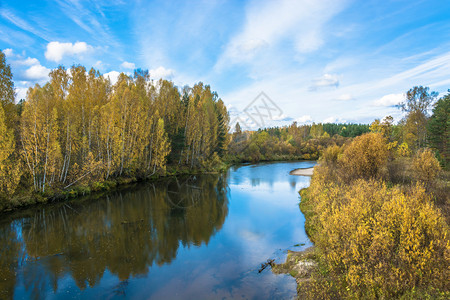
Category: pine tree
<point>439,128</point>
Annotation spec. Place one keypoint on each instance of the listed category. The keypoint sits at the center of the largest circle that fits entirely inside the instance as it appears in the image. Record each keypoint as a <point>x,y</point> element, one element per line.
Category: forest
<point>78,132</point>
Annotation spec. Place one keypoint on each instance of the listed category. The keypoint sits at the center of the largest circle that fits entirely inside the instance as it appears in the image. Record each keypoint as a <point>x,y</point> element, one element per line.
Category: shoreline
<point>303,263</point>
<point>302,172</point>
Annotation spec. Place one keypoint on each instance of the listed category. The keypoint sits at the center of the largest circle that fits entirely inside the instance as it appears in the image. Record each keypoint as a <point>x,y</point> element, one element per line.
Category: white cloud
<point>8,52</point>
<point>21,93</point>
<point>56,50</point>
<point>113,76</point>
<point>27,62</point>
<point>345,97</point>
<point>161,72</point>
<point>389,100</point>
<point>304,119</point>
<point>128,65</point>
<point>327,80</point>
<point>37,72</point>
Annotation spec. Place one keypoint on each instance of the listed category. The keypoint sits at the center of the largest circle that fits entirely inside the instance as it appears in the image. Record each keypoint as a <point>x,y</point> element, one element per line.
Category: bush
<point>377,242</point>
<point>426,166</point>
<point>365,157</point>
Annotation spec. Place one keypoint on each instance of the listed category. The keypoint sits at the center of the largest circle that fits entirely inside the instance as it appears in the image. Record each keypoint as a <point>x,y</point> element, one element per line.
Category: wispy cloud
<point>269,23</point>
<point>21,23</point>
<point>91,18</point>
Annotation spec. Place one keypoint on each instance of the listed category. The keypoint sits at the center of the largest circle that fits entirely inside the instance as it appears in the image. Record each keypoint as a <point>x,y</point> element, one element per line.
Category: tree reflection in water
<point>126,233</point>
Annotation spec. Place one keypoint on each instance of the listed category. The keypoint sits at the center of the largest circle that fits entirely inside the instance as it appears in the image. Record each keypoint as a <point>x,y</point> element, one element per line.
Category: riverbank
<point>27,198</point>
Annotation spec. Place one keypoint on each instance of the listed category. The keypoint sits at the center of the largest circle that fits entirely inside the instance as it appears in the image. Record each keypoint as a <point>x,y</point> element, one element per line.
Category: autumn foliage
<point>375,241</point>
<point>426,166</point>
<point>79,129</point>
<point>365,157</point>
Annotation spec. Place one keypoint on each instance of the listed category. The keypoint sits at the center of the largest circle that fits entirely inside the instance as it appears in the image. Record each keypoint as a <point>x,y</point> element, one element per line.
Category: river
<point>197,237</point>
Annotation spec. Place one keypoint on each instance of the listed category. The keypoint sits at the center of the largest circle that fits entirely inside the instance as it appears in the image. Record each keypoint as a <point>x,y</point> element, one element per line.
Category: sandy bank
<point>302,172</point>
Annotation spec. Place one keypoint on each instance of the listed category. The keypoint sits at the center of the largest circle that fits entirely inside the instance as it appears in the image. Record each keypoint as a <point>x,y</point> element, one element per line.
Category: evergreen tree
<point>439,128</point>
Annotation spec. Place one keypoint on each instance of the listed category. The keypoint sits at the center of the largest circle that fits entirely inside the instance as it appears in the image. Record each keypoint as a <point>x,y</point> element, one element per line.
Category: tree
<point>426,166</point>
<point>7,94</point>
<point>222,131</point>
<point>237,128</point>
<point>417,103</point>
<point>316,130</point>
<point>9,166</point>
<point>39,135</point>
<point>439,128</point>
<point>365,156</point>
<point>162,148</point>
<point>384,127</point>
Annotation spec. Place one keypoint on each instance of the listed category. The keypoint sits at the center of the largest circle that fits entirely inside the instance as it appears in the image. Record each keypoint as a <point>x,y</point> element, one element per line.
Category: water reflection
<point>9,258</point>
<point>125,233</point>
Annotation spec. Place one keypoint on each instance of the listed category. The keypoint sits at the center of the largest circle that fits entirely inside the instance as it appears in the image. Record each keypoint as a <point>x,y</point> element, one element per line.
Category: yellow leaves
<point>392,145</point>
<point>6,138</point>
<point>375,238</point>
<point>403,150</point>
<point>39,134</point>
<point>426,166</point>
<point>162,148</point>
<point>9,169</point>
<point>365,156</point>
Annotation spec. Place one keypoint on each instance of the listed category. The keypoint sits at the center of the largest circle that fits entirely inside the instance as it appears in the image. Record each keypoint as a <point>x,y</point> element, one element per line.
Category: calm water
<point>201,237</point>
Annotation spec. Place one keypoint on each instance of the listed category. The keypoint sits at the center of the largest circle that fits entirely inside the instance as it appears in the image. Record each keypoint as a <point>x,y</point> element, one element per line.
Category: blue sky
<point>321,61</point>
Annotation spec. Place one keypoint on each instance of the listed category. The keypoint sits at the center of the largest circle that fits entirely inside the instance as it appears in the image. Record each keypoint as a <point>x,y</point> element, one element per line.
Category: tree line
<point>289,142</point>
<point>78,128</point>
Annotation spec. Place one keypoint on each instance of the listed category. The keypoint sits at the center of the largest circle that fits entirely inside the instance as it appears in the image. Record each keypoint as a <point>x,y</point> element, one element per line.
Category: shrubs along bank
<point>378,234</point>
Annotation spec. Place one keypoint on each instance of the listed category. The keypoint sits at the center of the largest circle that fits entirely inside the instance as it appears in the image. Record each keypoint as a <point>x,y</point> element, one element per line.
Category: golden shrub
<point>378,242</point>
<point>426,166</point>
<point>330,155</point>
<point>365,156</point>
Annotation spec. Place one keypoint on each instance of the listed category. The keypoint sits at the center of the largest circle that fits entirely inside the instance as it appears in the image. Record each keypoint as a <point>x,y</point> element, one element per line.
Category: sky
<point>312,60</point>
